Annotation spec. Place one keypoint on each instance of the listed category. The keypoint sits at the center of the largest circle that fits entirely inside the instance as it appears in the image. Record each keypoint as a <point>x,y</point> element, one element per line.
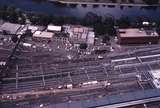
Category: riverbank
<point>92,2</point>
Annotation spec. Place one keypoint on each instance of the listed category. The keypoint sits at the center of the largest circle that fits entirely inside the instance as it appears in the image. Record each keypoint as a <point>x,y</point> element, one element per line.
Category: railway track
<point>48,71</point>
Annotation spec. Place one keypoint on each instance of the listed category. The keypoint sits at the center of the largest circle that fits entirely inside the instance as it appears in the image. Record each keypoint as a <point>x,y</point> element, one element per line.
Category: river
<point>80,11</point>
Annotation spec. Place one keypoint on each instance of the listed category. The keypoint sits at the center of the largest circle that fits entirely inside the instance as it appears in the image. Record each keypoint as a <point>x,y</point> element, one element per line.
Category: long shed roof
<point>135,32</point>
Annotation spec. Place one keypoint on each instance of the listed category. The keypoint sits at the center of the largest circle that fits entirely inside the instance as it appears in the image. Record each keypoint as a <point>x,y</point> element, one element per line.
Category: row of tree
<point>11,14</point>
<point>150,2</point>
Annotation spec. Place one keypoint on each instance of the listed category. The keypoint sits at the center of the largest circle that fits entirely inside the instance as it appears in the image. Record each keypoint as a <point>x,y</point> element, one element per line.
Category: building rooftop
<point>39,34</point>
<point>54,28</point>
<point>156,74</point>
<point>135,32</point>
<point>10,27</point>
<point>91,36</point>
<point>80,34</point>
<point>33,28</point>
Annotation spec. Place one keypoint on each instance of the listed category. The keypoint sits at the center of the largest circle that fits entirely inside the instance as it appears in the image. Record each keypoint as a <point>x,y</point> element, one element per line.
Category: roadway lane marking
<point>133,58</point>
<point>149,56</point>
<point>125,59</point>
<point>41,69</point>
<point>16,76</point>
<point>136,64</point>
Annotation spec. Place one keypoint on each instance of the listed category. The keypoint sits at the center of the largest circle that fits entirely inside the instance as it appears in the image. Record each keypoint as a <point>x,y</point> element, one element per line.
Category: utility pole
<point>6,67</point>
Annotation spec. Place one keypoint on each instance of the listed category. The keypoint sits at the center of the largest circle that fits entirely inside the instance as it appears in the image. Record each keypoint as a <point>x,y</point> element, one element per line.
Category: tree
<point>105,38</point>
<point>158,27</point>
<point>100,29</point>
<point>28,33</point>
<point>113,1</point>
<point>96,0</point>
<point>83,46</point>
<point>123,22</point>
<point>14,38</point>
<point>109,25</point>
<point>150,2</point>
<point>105,27</point>
<point>22,20</point>
<point>91,19</point>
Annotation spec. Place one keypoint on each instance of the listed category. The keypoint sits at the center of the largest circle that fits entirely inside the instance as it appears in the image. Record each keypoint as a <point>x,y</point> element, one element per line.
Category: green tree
<point>123,22</point>
<point>91,19</point>
<point>109,25</point>
<point>83,46</point>
<point>150,2</point>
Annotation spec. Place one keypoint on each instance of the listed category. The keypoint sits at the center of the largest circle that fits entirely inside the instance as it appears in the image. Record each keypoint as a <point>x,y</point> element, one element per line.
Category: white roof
<point>40,34</point>
<point>54,28</point>
<point>156,74</point>
<point>156,77</point>
<point>11,27</point>
<point>91,34</point>
<point>2,63</point>
<point>84,35</point>
<point>145,23</point>
<point>27,44</point>
<point>32,27</point>
<point>37,33</point>
<point>91,37</point>
<point>156,83</point>
<point>134,32</point>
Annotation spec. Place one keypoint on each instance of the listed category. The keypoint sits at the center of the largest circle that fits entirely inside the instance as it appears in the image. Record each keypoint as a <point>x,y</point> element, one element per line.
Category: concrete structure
<point>42,36</point>
<point>155,74</point>
<point>80,34</point>
<point>53,28</point>
<point>91,36</point>
<point>137,36</point>
<point>10,28</point>
<point>61,36</point>
<point>33,28</point>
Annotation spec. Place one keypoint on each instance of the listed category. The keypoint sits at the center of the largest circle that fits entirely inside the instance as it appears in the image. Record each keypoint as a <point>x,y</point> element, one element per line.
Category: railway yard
<point>63,73</point>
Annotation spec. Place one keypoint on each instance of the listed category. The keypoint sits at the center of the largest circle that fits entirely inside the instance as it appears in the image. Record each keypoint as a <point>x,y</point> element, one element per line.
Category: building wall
<point>38,39</point>
<point>137,40</point>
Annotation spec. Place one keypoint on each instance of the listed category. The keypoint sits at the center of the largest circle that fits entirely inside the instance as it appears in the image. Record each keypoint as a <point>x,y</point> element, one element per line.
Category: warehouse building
<point>43,36</point>
<point>34,28</point>
<point>137,36</point>
<point>10,28</point>
<point>79,34</point>
<point>53,28</point>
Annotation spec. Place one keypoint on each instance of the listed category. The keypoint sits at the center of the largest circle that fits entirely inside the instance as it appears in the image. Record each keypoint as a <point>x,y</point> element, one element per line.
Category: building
<point>137,36</point>
<point>91,36</point>
<point>43,36</point>
<point>61,36</point>
<point>53,28</point>
<point>10,28</point>
<point>80,34</point>
<point>34,28</point>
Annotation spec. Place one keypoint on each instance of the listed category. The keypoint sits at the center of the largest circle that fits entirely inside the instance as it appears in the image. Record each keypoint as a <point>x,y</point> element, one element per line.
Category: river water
<point>80,11</point>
